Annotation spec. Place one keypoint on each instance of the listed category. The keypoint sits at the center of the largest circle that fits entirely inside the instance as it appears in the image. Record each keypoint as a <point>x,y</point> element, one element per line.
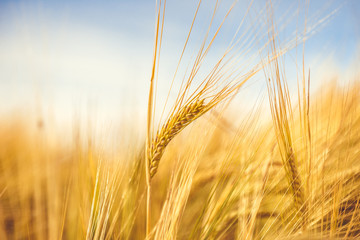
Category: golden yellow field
<point>204,168</point>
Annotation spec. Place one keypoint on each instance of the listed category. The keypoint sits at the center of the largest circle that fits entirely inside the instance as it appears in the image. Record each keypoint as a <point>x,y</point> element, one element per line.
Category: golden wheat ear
<point>174,125</point>
<point>282,114</point>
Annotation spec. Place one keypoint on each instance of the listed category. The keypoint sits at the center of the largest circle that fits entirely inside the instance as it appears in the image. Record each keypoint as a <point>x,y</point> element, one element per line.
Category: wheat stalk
<point>170,129</point>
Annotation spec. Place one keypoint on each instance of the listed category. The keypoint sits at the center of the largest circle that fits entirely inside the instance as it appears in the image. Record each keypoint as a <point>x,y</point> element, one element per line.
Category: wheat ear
<point>296,184</point>
<point>170,129</point>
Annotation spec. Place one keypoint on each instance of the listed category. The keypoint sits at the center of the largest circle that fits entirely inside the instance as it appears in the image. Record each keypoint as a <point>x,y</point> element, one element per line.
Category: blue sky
<point>69,55</point>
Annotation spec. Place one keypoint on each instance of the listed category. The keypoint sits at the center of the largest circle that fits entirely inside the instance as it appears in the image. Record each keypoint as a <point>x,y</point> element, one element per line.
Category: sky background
<point>65,57</point>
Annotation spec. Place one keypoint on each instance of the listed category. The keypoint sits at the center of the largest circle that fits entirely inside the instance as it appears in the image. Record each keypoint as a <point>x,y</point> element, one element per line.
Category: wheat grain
<point>170,129</point>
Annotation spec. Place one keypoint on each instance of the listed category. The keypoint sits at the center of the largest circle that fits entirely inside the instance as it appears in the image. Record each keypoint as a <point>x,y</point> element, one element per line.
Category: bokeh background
<point>64,58</point>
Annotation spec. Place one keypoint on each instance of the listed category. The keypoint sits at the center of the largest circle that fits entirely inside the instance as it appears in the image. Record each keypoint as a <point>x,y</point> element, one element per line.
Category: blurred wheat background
<point>250,129</point>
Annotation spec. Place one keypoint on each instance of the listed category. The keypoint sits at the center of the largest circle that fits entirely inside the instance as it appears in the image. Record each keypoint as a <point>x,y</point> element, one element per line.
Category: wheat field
<point>204,168</point>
